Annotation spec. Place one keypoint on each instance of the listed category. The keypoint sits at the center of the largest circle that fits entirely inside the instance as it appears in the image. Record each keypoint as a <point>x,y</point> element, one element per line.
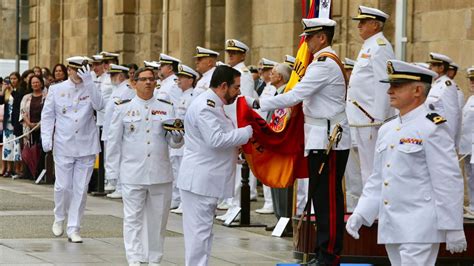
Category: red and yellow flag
<point>275,154</point>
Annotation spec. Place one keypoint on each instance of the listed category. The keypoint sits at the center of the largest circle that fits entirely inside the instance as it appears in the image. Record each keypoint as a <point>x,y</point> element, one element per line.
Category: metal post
<point>18,39</point>
<point>245,200</point>
<point>400,29</point>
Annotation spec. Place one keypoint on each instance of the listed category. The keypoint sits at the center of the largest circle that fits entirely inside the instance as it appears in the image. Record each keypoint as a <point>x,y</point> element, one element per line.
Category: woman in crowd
<point>59,73</point>
<point>9,95</point>
<point>37,70</point>
<point>30,114</point>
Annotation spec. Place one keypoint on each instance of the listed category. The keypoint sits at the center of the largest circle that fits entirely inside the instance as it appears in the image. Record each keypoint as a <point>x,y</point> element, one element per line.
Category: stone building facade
<point>141,29</point>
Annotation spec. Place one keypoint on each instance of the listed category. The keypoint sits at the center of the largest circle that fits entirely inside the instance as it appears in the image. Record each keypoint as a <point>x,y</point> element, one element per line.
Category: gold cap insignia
<point>390,69</point>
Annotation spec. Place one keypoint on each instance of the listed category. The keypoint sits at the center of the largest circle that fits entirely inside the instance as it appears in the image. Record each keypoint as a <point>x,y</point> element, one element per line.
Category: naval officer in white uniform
<point>138,155</point>
<point>68,128</point>
<point>207,171</point>
<point>416,188</point>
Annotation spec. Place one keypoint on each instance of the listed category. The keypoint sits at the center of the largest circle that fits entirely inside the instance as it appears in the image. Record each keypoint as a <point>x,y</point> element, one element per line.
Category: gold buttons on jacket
<point>385,202</point>
<point>397,128</point>
<point>392,146</point>
<point>385,183</point>
<point>388,165</point>
<point>147,131</point>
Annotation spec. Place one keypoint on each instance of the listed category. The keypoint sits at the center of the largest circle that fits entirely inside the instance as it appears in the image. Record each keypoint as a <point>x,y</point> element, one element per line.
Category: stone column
<point>192,15</point>
<point>215,33</point>
<point>238,21</point>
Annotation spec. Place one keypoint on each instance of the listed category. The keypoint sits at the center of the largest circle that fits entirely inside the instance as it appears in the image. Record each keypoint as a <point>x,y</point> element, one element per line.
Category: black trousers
<point>328,201</point>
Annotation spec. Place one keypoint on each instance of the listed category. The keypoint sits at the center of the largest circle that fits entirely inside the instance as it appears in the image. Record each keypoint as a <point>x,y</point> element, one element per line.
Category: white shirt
<point>416,188</point>
<point>122,92</point>
<point>106,88</point>
<point>364,85</point>
<point>137,147</point>
<point>322,91</point>
<point>69,112</point>
<point>204,83</point>
<point>210,153</point>
<point>443,99</point>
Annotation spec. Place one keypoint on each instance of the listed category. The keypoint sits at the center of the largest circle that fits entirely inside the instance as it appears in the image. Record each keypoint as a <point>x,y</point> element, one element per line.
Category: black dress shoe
<point>270,227</point>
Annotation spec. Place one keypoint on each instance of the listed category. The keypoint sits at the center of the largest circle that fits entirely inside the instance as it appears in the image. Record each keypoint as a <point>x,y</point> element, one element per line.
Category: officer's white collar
<point>209,72</point>
<point>325,49</point>
<point>123,83</point>
<point>412,114</point>
<point>170,78</point>
<point>240,65</point>
<point>374,37</point>
<point>140,100</point>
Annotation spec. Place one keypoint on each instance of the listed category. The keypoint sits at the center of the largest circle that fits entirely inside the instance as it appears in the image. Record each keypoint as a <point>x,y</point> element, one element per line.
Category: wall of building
<point>134,28</point>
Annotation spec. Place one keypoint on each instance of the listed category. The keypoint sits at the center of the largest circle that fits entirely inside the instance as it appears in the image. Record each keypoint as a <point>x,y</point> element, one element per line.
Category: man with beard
<point>207,171</point>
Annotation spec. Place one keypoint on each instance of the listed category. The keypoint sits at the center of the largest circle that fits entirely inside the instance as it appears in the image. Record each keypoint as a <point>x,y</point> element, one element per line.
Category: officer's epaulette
<point>381,42</point>
<point>435,118</point>
<point>119,102</point>
<point>211,103</point>
<point>448,83</point>
<point>244,69</point>
<point>322,58</point>
<point>158,86</point>
<point>130,87</point>
<point>390,118</point>
<point>165,101</point>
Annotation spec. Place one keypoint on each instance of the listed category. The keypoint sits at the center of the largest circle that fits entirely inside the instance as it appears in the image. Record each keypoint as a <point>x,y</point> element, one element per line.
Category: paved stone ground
<point>26,239</point>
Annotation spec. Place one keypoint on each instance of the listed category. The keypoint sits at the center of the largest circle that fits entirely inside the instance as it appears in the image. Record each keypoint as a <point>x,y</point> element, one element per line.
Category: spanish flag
<point>275,153</point>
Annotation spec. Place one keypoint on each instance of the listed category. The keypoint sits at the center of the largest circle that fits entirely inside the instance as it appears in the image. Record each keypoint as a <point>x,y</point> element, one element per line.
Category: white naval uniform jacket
<point>443,99</point>
<point>416,188</point>
<point>204,83</point>
<point>466,145</point>
<point>322,91</point>
<point>137,145</point>
<point>210,152</point>
<point>186,98</point>
<point>122,92</point>
<point>169,90</point>
<point>69,112</point>
<point>364,85</point>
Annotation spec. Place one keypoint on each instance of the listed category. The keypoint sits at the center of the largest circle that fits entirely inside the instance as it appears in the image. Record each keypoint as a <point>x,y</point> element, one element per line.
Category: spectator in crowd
<point>38,71</point>
<point>59,73</point>
<point>30,114</point>
<point>48,80</point>
<point>45,71</point>
<point>25,79</point>
<point>131,73</point>
<point>4,167</point>
<point>11,147</point>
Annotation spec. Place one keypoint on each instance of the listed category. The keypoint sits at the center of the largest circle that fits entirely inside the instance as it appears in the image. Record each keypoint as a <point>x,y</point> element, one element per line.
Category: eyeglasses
<point>144,79</point>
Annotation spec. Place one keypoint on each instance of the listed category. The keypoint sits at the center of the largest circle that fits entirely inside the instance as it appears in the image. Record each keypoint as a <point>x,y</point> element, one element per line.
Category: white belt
<point>323,122</point>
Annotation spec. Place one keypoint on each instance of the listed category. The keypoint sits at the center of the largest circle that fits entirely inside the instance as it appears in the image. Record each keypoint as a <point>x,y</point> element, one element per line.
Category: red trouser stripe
<point>332,202</point>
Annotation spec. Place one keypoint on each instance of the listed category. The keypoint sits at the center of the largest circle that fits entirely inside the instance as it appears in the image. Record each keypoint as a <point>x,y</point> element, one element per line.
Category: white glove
<point>177,135</point>
<point>85,74</point>
<point>249,130</point>
<point>455,241</point>
<point>353,225</point>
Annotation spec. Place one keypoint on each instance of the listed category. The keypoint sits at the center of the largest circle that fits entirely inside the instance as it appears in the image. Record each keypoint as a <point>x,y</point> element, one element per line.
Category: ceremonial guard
<point>236,53</point>
<point>122,91</point>
<point>269,90</point>
<point>352,177</point>
<point>186,80</point>
<point>207,171</point>
<point>367,99</point>
<point>467,144</point>
<point>416,188</point>
<point>138,155</point>
<point>68,128</point>
<point>290,61</point>
<point>322,91</point>
<point>205,60</point>
<point>169,91</point>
